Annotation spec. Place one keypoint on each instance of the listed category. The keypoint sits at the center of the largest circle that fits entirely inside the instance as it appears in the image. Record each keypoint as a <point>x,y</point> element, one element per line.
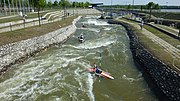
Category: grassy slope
<point>170,29</point>
<point>17,18</point>
<point>154,48</point>
<point>163,36</point>
<point>9,37</point>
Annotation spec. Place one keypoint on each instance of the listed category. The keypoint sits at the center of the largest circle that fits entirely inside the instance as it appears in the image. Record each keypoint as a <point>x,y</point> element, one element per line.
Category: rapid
<point>60,72</point>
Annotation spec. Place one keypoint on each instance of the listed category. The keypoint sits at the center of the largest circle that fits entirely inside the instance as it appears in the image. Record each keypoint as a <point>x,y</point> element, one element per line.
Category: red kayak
<point>102,73</point>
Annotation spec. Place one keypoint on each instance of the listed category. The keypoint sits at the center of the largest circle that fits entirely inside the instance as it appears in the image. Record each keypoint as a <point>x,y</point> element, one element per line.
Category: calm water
<point>170,10</point>
<point>59,73</point>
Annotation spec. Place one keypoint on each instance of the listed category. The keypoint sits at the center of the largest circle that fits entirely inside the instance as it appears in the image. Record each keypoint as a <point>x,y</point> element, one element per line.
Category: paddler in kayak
<point>97,70</point>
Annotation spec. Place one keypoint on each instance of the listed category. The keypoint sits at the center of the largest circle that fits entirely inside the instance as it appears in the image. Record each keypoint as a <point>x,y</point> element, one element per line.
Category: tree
<point>76,4</point>
<point>86,4</point>
<point>73,4</point>
<point>156,6</point>
<point>152,5</point>
<point>39,4</point>
<point>67,3</point>
<point>82,4</point>
<point>49,4</point>
<point>55,3</point>
<point>64,3</point>
<point>129,7</point>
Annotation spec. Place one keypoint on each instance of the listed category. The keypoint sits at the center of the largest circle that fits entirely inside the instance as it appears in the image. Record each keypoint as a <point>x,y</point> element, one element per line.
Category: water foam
<point>89,80</point>
<point>95,44</point>
<point>94,30</point>
<point>96,22</point>
<point>107,28</point>
<point>91,29</point>
<point>129,79</point>
<point>90,86</point>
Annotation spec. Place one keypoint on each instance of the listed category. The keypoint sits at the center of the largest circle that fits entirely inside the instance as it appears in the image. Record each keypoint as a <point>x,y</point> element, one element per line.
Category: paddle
<point>100,61</point>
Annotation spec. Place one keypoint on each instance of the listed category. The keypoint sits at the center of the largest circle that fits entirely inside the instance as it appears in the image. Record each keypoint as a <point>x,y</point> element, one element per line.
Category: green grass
<point>10,19</point>
<point>19,24</point>
<point>31,15</point>
<point>165,15</point>
<point>155,49</point>
<point>131,21</point>
<point>163,36</point>
<point>30,32</point>
<point>170,29</point>
<point>169,15</point>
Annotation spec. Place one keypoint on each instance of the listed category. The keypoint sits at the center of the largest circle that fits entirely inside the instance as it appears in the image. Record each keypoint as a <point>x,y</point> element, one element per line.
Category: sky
<point>136,2</point>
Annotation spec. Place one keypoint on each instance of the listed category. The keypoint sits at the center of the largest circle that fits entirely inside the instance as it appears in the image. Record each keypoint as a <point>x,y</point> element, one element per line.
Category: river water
<point>59,73</point>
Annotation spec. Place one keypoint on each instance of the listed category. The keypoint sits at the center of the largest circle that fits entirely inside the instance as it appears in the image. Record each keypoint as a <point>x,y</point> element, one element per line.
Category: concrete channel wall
<point>167,80</point>
<point>11,53</point>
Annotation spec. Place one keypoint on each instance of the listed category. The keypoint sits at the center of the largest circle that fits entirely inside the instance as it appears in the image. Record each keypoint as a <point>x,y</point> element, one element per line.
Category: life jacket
<point>97,70</point>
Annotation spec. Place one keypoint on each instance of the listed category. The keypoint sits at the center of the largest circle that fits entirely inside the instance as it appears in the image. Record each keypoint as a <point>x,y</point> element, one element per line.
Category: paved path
<point>174,52</point>
<point>53,16</point>
<point>11,16</point>
<point>7,24</point>
<point>31,22</point>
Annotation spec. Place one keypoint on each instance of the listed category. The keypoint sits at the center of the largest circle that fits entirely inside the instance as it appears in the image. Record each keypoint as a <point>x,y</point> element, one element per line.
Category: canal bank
<point>16,52</point>
<point>163,76</point>
<point>59,74</point>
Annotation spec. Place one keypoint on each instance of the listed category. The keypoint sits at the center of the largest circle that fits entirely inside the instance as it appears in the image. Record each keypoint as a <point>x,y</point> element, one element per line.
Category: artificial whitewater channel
<point>59,73</point>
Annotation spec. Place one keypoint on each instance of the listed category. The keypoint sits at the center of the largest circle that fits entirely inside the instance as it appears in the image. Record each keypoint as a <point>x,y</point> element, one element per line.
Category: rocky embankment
<point>167,80</point>
<point>14,52</point>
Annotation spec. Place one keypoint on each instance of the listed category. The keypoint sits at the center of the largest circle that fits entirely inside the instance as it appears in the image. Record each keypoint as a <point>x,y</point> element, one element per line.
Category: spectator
<point>142,23</point>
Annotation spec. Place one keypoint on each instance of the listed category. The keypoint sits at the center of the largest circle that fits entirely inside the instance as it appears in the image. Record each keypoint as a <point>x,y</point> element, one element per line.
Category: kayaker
<point>81,36</point>
<point>97,70</point>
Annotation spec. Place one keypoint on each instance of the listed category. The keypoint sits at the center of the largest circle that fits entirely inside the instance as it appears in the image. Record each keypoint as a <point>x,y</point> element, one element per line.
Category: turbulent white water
<point>59,73</point>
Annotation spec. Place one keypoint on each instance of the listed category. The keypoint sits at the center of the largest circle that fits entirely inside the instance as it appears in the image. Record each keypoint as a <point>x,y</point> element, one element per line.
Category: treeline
<point>8,6</point>
<point>41,3</point>
<point>66,3</point>
<point>147,6</point>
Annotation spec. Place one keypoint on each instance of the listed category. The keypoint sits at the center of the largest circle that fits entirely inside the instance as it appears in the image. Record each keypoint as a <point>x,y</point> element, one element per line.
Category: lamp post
<point>111,8</point>
<point>74,7</point>
<point>133,5</point>
<point>166,4</point>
